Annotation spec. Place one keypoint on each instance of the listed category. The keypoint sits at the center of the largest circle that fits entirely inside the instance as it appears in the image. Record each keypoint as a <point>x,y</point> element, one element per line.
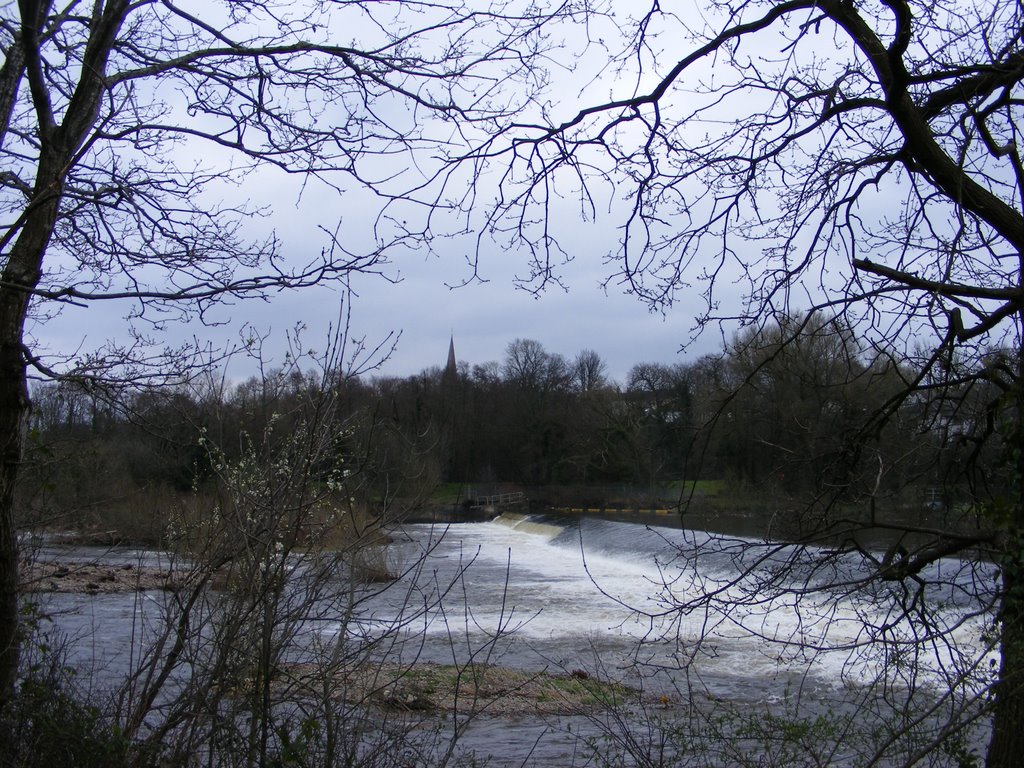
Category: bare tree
<point>589,371</point>
<point>528,366</point>
<point>127,128</point>
<point>839,157</point>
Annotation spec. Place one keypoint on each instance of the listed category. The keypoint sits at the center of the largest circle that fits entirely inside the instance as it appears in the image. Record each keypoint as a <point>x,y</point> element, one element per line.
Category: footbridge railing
<point>502,499</point>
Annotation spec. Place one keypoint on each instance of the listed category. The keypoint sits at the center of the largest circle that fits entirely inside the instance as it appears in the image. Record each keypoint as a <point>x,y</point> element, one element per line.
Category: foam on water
<point>565,590</point>
<point>578,585</point>
<point>525,524</point>
<point>543,591</point>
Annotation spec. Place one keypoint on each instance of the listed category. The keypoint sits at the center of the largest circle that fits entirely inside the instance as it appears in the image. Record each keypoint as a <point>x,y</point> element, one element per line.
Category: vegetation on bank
<point>481,689</point>
<point>300,473</point>
<point>859,159</point>
<point>762,426</point>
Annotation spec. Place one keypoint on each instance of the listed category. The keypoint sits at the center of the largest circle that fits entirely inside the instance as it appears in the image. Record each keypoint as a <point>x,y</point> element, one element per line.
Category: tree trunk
<point>1007,743</point>
<point>58,146</point>
<point>20,276</point>
<point>14,406</point>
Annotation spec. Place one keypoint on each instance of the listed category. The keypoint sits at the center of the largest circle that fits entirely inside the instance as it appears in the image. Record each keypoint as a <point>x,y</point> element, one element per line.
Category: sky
<point>417,303</point>
<point>423,306</point>
<point>484,318</point>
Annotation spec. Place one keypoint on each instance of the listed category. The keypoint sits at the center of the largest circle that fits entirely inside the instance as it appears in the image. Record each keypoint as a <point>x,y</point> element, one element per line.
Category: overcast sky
<point>483,317</point>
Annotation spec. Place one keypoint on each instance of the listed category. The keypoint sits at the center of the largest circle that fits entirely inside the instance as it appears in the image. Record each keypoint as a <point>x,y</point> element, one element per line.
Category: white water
<point>602,596</point>
<point>607,594</point>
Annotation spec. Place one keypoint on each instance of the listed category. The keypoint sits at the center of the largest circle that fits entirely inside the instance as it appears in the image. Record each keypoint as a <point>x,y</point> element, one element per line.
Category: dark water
<point>601,596</point>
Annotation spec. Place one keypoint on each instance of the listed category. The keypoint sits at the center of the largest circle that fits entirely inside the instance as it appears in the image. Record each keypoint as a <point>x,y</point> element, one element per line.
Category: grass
<point>449,493</point>
<point>698,487</point>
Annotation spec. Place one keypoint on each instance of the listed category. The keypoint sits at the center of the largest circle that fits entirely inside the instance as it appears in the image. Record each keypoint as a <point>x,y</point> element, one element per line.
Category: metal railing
<point>499,499</point>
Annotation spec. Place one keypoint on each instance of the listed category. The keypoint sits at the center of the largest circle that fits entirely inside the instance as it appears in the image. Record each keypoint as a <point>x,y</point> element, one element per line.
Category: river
<point>604,597</point>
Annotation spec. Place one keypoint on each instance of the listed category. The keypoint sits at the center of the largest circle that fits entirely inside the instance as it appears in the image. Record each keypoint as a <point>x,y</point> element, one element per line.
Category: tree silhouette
<point>127,127</point>
<point>833,157</point>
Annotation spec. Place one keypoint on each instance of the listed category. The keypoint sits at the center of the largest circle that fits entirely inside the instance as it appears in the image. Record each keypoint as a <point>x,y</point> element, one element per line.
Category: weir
<point>526,524</point>
<point>542,593</point>
<point>501,503</point>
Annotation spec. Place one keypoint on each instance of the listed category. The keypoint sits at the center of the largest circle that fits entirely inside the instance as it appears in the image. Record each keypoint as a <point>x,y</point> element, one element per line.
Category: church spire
<point>451,368</point>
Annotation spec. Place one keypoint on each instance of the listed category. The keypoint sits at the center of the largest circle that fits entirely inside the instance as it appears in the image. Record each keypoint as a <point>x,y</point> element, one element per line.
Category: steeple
<point>451,368</point>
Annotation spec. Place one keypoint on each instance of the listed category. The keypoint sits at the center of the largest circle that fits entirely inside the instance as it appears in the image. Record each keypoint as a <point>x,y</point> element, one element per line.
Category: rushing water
<point>567,589</point>
<point>601,596</point>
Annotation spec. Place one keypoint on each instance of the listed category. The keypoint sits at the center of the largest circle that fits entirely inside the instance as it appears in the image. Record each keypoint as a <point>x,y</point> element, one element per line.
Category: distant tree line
<point>781,407</point>
<point>781,410</point>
